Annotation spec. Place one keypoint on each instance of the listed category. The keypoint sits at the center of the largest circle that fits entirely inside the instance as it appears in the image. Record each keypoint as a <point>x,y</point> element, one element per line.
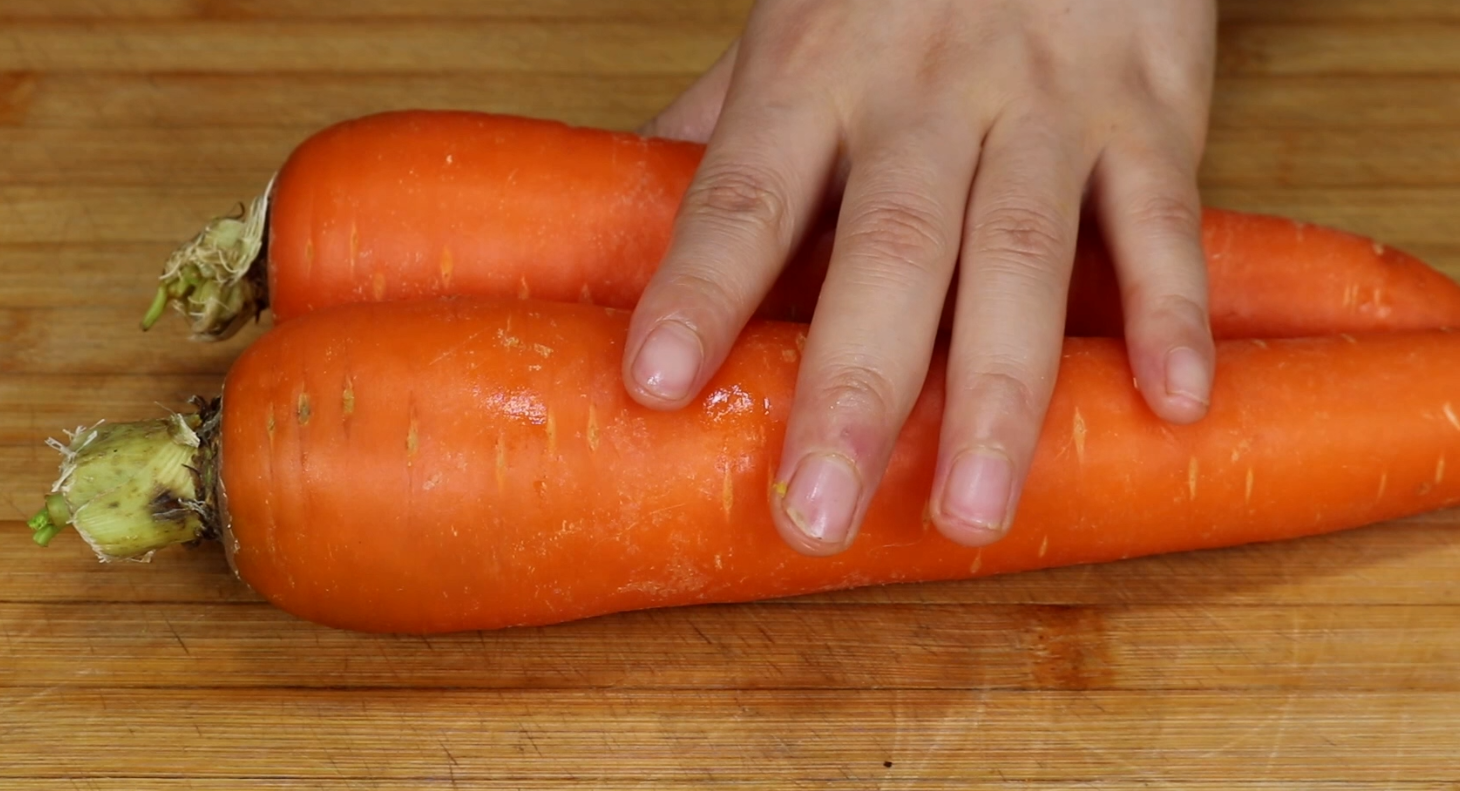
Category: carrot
<point>1273,277</point>
<point>435,466</point>
<point>421,204</point>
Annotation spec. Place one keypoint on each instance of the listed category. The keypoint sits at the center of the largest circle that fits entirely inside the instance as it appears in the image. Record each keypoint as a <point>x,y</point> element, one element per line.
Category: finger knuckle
<point>860,390</point>
<point>743,195</point>
<point>1167,214</point>
<point>902,229</point>
<point>1027,235</point>
<point>1169,309</point>
<point>709,297</point>
<point>1005,389</point>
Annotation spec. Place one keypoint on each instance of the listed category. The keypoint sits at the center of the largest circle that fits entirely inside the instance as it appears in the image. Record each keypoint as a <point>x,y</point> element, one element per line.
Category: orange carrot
<point>435,466</point>
<point>421,204</point>
<point>1273,277</point>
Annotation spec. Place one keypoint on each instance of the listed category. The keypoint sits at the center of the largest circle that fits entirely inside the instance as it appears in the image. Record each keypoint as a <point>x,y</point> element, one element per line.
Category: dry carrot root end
<point>131,489</point>
<point>218,279</point>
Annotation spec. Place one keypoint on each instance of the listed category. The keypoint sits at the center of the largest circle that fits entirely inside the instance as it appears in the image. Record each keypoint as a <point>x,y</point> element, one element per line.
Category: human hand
<point>967,133</point>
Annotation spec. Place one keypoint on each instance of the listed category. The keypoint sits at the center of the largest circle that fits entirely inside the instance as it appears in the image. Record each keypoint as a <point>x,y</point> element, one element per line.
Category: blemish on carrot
<point>1440,471</point>
<point>508,340</point>
<point>501,466</point>
<point>270,424</point>
<point>447,267</point>
<point>1259,343</point>
<point>354,245</point>
<point>523,292</point>
<point>977,563</point>
<point>377,286</point>
<point>543,351</point>
<point>1349,338</point>
<point>779,488</point>
<point>1192,470</point>
<point>308,256</point>
<point>1044,546</point>
<point>727,494</point>
<point>592,428</point>
<point>1247,487</point>
<point>1450,415</point>
<point>585,295</point>
<point>303,410</point>
<point>552,432</point>
<point>1079,431</point>
<point>1383,485</point>
<point>413,440</point>
<point>718,563</point>
<point>1378,248</point>
<point>347,398</point>
<point>789,355</point>
<point>800,341</point>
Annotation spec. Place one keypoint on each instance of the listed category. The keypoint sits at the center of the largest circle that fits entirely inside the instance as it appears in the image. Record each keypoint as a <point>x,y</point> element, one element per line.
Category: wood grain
<point>767,737</point>
<point>1329,663</point>
<point>161,101</point>
<point>824,645</point>
<point>196,156</point>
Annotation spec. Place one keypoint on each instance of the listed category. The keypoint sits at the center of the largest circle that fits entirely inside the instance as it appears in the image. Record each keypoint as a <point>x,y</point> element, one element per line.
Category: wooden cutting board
<point>1325,663</point>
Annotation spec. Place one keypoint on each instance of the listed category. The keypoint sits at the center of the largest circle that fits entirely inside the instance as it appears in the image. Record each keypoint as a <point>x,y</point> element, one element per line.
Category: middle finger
<point>869,345</point>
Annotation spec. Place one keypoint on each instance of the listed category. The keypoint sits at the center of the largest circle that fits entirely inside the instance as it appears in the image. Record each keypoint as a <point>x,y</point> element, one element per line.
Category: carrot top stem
<point>217,279</point>
<point>50,520</point>
<point>131,489</point>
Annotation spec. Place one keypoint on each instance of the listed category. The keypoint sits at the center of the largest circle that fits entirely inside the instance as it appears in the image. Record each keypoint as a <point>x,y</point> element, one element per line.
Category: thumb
<point>694,113</point>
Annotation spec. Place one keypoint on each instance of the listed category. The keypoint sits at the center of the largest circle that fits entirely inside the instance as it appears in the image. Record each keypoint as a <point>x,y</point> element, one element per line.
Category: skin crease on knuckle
<point>1161,214</point>
<point>901,230</point>
<point>743,198</point>
<point>1023,240</point>
<point>855,56</point>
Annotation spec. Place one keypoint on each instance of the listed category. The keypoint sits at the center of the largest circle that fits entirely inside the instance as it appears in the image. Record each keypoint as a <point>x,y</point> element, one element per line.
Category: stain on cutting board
<point>16,91</point>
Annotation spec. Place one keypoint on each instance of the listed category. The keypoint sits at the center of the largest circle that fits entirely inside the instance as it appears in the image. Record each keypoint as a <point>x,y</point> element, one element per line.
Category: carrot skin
<point>1275,277</point>
<point>423,467</point>
<point>424,204</point>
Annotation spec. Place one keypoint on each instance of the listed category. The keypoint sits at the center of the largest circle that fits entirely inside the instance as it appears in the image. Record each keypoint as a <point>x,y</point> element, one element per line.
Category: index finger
<point>755,192</point>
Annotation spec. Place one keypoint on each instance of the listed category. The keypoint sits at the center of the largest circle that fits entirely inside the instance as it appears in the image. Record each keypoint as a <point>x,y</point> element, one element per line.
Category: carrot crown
<point>217,279</point>
<point>131,489</point>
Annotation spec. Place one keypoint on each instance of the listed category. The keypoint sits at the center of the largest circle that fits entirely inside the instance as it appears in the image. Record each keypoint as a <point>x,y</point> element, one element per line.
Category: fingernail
<point>1186,375</point>
<point>822,498</point>
<point>669,361</point>
<point>978,490</point>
